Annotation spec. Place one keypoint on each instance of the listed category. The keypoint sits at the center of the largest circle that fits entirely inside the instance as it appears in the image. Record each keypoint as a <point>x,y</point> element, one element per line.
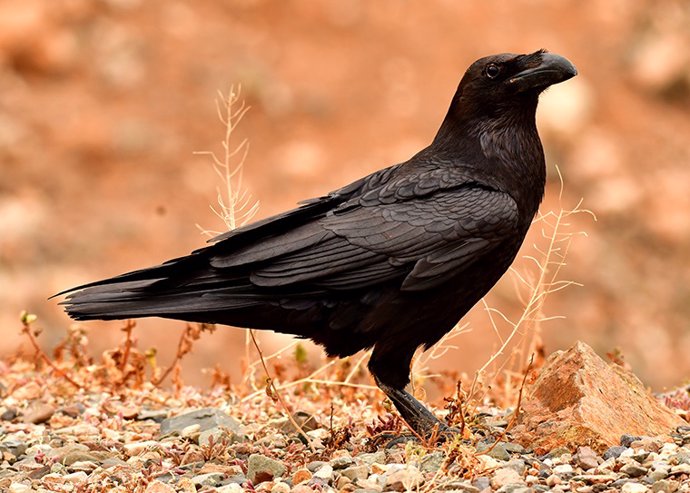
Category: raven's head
<point>499,82</point>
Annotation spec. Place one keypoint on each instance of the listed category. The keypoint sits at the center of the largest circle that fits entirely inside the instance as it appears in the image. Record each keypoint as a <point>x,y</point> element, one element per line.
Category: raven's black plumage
<point>391,261</point>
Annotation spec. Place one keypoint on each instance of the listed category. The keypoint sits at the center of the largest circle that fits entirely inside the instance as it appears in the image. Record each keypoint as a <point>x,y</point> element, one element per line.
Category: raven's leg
<point>391,370</point>
<point>415,414</point>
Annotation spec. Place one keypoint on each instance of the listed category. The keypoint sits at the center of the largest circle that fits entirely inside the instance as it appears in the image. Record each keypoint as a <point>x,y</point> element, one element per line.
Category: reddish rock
<point>580,400</point>
<point>301,476</point>
<point>159,487</point>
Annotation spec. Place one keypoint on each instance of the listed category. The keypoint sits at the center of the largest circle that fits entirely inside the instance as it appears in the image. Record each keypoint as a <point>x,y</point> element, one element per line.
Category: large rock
<point>580,400</point>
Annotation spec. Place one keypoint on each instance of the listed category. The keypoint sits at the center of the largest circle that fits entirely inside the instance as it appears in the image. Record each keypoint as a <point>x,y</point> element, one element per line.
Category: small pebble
<point>681,469</point>
<point>324,472</point>
<point>553,480</point>
<point>158,486</point>
<point>518,465</point>
<point>356,472</point>
<point>19,488</point>
<point>634,488</point>
<point>341,482</point>
<point>341,462</point>
<point>633,470</point>
<point>614,452</point>
<point>586,458</point>
<point>404,479</point>
<point>261,468</point>
<point>84,465</point>
<point>482,483</point>
<point>15,447</point>
<point>210,479</point>
<point>627,440</point>
<point>191,430</point>
<point>497,451</point>
<point>302,475</point>
<point>232,488</point>
<point>76,477</point>
<point>662,486</point>
<point>504,476</point>
<point>137,448</point>
<point>370,458</point>
<point>280,487</point>
<point>563,470</point>
<point>657,475</point>
<point>39,413</point>
<point>315,465</point>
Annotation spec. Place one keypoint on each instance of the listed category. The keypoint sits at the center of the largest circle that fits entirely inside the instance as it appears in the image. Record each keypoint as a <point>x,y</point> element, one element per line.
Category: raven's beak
<point>552,69</point>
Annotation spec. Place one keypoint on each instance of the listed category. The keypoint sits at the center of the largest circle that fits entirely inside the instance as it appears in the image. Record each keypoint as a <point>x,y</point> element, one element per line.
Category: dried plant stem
<point>549,264</point>
<point>357,366</point>
<point>275,394</point>
<point>184,346</point>
<point>235,205</point>
<point>127,329</point>
<point>250,368</point>
<point>26,329</point>
<point>514,418</point>
<point>536,302</point>
<point>311,380</point>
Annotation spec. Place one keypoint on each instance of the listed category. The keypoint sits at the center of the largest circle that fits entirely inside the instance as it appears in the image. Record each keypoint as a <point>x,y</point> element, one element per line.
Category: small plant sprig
<point>27,319</point>
<point>190,335</point>
<point>236,207</point>
<point>533,287</point>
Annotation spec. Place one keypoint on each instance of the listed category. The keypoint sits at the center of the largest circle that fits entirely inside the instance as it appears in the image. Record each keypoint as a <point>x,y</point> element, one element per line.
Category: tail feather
<point>133,300</point>
<point>149,274</point>
<point>183,286</point>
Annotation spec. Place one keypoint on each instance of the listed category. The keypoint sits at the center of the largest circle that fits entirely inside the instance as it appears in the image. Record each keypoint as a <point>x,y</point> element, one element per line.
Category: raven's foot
<point>421,421</point>
<point>390,440</point>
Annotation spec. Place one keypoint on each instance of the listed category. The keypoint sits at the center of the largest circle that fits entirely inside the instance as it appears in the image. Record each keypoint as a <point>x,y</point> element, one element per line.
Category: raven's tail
<point>179,289</point>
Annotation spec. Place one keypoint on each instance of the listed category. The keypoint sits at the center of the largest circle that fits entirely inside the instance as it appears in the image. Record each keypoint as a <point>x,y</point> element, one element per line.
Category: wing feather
<point>422,242</point>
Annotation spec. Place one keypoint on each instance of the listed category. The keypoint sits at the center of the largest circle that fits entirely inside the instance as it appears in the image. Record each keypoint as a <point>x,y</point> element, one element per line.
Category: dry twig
<point>27,319</point>
<point>273,393</point>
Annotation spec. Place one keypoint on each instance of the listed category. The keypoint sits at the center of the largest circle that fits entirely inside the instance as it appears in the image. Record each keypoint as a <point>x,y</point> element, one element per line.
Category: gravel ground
<point>70,424</point>
<point>103,444</point>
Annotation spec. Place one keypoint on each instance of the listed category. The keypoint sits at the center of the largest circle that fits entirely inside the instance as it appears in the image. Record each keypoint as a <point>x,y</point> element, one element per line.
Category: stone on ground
<point>580,400</point>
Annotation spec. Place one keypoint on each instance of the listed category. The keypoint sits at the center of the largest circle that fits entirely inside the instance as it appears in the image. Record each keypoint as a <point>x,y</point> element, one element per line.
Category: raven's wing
<point>420,230</point>
<point>414,231</point>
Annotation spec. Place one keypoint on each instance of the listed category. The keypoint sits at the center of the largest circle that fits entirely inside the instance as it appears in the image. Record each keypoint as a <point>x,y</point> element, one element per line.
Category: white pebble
<point>137,448</point>
<point>563,469</point>
<point>634,488</point>
<point>628,452</point>
<point>19,488</point>
<point>324,472</point>
<point>76,477</point>
<point>553,480</point>
<point>681,469</point>
<point>668,449</point>
<point>231,488</point>
<point>190,430</point>
<point>280,487</point>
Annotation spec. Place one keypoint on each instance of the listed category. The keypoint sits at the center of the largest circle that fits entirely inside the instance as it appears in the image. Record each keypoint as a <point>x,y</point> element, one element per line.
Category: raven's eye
<point>492,70</point>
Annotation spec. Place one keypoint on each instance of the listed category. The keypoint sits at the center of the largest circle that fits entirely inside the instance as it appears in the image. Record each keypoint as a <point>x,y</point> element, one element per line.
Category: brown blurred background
<point>103,102</point>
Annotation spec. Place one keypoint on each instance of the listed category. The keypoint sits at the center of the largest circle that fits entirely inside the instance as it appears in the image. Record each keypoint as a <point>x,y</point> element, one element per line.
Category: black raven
<point>391,261</point>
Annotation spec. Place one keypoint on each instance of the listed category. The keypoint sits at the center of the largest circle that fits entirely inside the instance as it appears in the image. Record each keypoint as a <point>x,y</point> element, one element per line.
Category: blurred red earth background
<point>104,102</point>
